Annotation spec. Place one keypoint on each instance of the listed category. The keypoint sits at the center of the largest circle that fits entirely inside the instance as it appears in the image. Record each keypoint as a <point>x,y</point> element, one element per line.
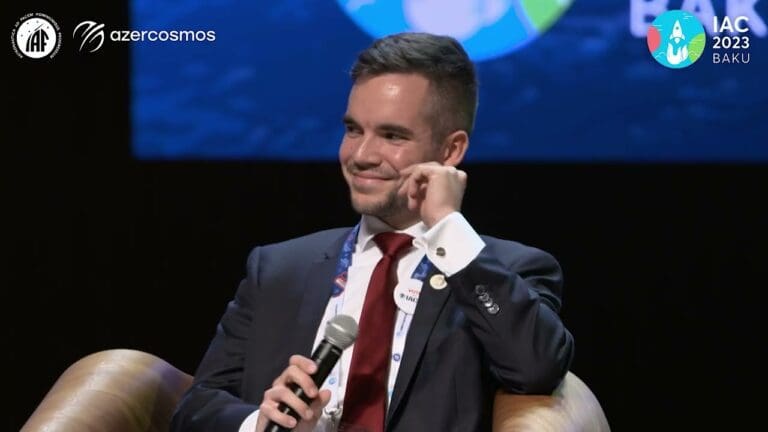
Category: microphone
<point>340,333</point>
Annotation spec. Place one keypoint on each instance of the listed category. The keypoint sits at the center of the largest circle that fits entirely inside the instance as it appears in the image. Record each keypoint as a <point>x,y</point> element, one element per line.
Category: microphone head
<point>341,331</point>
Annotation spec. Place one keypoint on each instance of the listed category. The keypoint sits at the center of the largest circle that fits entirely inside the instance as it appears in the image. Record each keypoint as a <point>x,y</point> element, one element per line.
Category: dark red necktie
<point>365,399</point>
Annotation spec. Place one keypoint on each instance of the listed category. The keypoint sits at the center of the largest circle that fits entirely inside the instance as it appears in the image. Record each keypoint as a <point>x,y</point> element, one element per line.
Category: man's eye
<point>351,130</point>
<point>393,136</point>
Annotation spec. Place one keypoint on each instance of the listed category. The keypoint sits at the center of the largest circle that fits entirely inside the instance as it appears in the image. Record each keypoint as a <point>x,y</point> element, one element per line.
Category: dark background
<point>664,264</point>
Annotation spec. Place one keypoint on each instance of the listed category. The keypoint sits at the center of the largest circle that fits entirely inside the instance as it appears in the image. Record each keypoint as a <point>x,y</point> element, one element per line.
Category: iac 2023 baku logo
<point>676,39</point>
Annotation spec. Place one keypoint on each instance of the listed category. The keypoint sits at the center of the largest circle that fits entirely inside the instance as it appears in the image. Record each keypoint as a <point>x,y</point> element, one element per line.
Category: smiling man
<point>446,316</point>
<point>393,147</point>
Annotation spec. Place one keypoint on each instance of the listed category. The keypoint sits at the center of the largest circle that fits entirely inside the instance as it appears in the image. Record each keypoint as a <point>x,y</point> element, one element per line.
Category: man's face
<point>386,130</point>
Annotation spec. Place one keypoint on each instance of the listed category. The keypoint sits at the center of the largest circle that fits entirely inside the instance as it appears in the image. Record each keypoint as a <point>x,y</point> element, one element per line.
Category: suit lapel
<point>431,302</point>
<point>317,290</point>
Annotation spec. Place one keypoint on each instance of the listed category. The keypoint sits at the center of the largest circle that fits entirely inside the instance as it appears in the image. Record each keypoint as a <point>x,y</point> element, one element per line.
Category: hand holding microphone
<point>294,400</point>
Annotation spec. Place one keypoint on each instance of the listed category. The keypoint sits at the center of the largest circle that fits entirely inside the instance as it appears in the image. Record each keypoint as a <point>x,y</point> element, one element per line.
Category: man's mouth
<point>362,179</point>
<point>370,176</point>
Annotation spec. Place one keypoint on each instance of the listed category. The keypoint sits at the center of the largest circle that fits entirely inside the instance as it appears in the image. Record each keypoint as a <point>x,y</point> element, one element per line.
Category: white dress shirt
<point>458,243</point>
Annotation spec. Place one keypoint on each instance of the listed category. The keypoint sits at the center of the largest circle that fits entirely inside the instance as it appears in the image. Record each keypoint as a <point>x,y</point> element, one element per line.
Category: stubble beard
<point>393,205</point>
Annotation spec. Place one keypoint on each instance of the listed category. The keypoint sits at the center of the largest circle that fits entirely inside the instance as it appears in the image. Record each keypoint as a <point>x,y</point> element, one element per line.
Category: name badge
<point>407,295</point>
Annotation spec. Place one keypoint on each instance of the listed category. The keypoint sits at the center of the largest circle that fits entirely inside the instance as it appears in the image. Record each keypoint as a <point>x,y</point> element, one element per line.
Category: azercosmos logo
<point>92,35</point>
<point>162,35</point>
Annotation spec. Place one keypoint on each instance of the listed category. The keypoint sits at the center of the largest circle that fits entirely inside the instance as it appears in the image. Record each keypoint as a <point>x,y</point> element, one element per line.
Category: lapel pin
<point>438,281</point>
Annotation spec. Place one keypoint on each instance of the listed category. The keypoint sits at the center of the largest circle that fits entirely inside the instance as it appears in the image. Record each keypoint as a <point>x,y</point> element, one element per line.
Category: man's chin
<point>367,207</point>
<point>381,207</point>
<point>370,205</point>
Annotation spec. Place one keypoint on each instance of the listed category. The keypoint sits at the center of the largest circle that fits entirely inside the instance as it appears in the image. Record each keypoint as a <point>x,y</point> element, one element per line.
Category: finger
<point>417,196</point>
<point>413,188</point>
<point>284,395</point>
<point>405,181</point>
<point>318,404</point>
<point>410,168</point>
<point>301,362</point>
<point>305,364</point>
<point>294,374</point>
<point>267,402</point>
<point>411,180</point>
<point>272,413</point>
<point>413,202</point>
<point>416,171</point>
<point>323,398</point>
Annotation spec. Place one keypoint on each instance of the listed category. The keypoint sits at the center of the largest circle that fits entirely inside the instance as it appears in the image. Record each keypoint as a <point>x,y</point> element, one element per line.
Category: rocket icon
<point>676,55</point>
<point>677,32</point>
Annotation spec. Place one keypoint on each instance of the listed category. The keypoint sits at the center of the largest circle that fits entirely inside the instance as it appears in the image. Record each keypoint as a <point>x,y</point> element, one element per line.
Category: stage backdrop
<point>559,81</point>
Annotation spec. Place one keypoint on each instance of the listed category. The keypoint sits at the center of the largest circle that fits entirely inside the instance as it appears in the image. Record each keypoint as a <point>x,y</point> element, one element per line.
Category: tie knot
<point>392,243</point>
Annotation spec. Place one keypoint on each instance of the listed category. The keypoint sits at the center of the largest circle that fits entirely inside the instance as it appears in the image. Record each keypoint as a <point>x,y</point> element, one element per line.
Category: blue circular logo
<point>676,39</point>
<point>485,28</point>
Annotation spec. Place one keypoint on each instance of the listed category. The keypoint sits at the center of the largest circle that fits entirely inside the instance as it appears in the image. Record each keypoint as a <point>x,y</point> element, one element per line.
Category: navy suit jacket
<point>457,352</point>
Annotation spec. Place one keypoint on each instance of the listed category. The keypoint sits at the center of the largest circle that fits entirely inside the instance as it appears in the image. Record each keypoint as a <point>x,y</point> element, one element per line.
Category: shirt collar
<point>371,225</point>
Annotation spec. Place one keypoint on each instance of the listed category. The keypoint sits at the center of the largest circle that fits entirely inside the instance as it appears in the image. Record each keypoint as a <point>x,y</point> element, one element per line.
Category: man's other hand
<point>299,371</point>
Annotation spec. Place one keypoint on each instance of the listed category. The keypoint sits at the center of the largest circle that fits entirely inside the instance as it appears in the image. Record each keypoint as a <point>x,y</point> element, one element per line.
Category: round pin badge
<point>407,295</point>
<point>438,281</point>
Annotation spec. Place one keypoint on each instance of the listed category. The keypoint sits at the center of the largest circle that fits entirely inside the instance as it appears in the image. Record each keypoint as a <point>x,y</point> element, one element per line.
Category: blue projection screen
<point>588,81</point>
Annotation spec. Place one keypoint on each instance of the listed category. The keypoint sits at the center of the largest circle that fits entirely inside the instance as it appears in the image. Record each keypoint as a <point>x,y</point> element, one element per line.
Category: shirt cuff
<point>451,244</point>
<point>324,423</point>
<point>249,424</point>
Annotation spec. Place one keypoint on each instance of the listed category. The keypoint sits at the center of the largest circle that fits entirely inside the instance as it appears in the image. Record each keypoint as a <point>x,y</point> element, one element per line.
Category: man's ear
<point>454,147</point>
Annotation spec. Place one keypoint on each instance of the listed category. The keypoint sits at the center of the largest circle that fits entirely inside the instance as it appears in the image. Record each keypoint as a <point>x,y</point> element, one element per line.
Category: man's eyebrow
<point>382,128</point>
<point>394,128</point>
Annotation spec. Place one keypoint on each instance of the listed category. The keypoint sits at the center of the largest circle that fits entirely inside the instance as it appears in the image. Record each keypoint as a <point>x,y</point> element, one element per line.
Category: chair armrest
<point>571,407</point>
<point>116,390</point>
<point>127,391</point>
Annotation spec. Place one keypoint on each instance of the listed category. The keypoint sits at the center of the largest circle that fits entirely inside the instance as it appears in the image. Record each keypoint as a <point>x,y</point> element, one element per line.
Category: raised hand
<point>433,190</point>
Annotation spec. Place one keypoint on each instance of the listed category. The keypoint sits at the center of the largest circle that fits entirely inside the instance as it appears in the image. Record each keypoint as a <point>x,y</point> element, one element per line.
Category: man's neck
<point>401,222</point>
<point>372,225</point>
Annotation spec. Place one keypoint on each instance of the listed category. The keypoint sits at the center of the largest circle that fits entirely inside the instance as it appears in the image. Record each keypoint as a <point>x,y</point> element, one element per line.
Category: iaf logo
<point>36,36</point>
<point>676,39</point>
<point>486,28</point>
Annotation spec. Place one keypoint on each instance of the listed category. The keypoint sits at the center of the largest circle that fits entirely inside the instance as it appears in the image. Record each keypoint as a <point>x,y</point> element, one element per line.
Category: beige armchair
<point>132,391</point>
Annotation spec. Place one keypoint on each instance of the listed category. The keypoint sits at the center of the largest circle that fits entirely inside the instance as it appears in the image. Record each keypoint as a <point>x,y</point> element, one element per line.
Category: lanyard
<point>402,321</point>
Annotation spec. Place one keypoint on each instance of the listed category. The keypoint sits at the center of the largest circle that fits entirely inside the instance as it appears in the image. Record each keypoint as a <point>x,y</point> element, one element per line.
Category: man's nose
<point>367,152</point>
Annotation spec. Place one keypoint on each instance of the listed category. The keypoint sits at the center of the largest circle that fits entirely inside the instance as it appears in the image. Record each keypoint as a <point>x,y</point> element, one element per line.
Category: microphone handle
<point>325,356</point>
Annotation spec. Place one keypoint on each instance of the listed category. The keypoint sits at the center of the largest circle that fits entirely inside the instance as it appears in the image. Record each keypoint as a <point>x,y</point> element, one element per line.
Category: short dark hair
<point>440,59</point>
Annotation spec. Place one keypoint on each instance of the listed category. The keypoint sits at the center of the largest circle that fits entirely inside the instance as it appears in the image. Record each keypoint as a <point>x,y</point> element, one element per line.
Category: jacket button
<point>493,309</point>
<point>480,289</point>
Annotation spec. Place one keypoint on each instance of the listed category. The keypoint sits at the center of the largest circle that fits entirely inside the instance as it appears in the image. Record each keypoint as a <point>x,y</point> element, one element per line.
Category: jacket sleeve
<point>513,310</point>
<point>213,402</point>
